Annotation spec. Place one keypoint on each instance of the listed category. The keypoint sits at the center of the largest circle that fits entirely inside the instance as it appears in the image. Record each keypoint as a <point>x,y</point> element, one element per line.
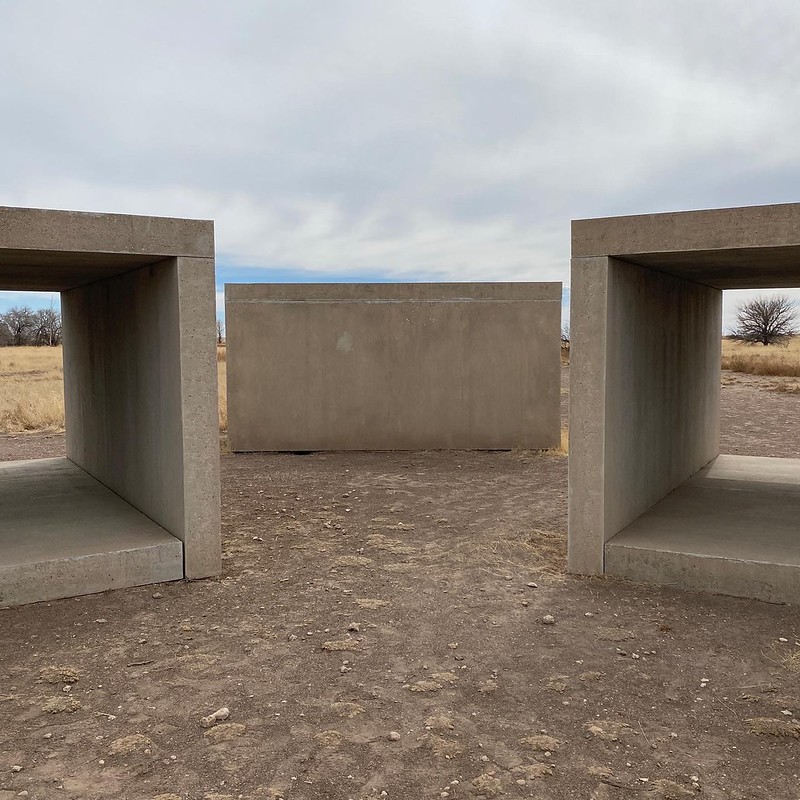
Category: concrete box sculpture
<point>136,500</point>
<point>393,366</point>
<point>650,497</point>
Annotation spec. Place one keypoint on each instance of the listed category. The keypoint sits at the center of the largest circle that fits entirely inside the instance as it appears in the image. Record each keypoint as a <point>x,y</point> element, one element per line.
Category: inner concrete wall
<point>645,402</point>
<point>140,396</point>
<point>393,366</point>
<point>122,388</point>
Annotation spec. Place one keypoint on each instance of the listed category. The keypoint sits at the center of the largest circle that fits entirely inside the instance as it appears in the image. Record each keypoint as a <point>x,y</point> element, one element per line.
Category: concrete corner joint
<point>650,496</point>
<point>136,501</point>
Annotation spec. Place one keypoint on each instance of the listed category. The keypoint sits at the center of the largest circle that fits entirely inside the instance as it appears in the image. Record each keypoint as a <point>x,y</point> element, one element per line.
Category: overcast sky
<point>397,139</point>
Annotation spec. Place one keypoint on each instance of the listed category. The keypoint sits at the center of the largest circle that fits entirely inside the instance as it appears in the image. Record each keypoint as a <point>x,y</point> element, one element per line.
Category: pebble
<point>157,595</point>
<point>212,719</point>
<point>354,626</point>
<point>548,619</point>
<point>525,603</point>
<point>16,768</point>
<point>532,585</point>
<point>394,736</point>
<point>588,614</point>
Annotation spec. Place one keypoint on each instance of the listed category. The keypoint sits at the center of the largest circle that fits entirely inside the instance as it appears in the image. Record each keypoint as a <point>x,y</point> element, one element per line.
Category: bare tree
<point>46,327</point>
<point>220,332</point>
<point>18,322</point>
<point>769,319</point>
<point>565,335</point>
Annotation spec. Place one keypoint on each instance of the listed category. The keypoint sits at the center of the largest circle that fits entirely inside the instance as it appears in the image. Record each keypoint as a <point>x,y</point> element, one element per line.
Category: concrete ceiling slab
<point>45,250</point>
<point>733,248</point>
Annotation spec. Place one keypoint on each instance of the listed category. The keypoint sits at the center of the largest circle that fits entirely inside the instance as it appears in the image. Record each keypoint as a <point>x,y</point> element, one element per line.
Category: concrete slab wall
<point>644,410</point>
<point>141,398</point>
<point>393,366</point>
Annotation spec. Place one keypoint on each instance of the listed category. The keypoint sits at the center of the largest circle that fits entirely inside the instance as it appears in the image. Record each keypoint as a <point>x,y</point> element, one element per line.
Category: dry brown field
<point>32,389</point>
<point>755,359</point>
<point>378,631</point>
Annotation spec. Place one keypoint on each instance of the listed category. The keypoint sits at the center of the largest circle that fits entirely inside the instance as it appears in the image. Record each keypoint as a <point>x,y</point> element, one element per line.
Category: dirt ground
<point>380,630</point>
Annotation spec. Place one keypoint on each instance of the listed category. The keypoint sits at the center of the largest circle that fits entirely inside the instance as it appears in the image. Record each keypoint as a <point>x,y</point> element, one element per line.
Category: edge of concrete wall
<point>416,292</point>
<point>199,418</point>
<point>587,403</point>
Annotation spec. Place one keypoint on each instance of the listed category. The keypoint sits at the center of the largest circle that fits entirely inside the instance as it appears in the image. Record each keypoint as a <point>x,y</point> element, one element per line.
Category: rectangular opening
<point>62,532</point>
<point>734,526</point>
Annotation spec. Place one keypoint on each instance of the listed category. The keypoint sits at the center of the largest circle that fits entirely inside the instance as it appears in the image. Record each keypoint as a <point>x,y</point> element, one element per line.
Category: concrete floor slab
<point>733,528</point>
<point>62,533</point>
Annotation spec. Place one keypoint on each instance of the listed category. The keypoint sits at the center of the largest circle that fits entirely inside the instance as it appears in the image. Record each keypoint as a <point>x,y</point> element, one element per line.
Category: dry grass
<point>32,389</point>
<point>222,378</point>
<point>563,448</point>
<point>792,662</point>
<point>535,550</point>
<point>785,387</point>
<point>759,360</point>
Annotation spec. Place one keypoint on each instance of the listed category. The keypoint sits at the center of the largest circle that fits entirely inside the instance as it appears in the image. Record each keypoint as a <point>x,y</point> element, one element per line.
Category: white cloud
<point>410,139</point>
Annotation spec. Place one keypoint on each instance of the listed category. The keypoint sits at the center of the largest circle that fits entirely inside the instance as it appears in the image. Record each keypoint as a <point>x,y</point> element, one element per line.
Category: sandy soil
<point>380,631</point>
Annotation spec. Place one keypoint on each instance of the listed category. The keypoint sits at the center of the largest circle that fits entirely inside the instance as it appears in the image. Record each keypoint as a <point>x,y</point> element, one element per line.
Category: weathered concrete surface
<point>64,533</point>
<point>44,250</point>
<point>729,248</point>
<point>644,414</point>
<point>138,303</point>
<point>644,411</point>
<point>732,528</point>
<point>393,366</point>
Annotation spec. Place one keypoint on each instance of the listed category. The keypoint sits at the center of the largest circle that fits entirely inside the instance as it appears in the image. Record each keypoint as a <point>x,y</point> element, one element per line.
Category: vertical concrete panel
<point>200,417</point>
<point>398,367</point>
<point>588,318</point>
<point>122,385</point>
<point>662,387</point>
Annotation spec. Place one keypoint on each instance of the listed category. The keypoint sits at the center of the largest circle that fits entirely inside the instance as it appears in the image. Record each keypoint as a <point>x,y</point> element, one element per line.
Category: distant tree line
<point>23,325</point>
